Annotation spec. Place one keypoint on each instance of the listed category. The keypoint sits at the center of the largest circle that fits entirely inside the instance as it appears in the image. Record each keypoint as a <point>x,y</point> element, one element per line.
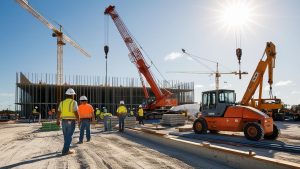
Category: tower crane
<point>163,98</point>
<point>216,73</point>
<point>61,39</point>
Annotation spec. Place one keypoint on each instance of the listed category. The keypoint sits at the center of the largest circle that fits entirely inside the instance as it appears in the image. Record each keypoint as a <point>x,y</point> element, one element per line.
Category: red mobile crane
<point>163,98</point>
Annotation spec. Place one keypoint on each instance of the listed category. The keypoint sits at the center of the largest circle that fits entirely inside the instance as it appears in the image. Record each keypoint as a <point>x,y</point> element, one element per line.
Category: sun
<point>236,14</point>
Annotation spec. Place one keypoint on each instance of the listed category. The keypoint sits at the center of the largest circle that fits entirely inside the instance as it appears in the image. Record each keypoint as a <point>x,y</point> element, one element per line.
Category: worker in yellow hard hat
<point>122,113</point>
<point>67,111</point>
<point>141,115</point>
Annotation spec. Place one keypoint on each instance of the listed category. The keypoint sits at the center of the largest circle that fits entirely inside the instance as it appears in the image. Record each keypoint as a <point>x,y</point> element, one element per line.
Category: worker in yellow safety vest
<point>122,113</point>
<point>86,115</point>
<point>98,112</point>
<point>102,113</point>
<point>67,111</point>
<point>141,115</point>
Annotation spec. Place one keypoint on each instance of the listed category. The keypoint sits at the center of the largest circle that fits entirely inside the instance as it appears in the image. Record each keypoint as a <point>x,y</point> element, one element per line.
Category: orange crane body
<point>163,98</point>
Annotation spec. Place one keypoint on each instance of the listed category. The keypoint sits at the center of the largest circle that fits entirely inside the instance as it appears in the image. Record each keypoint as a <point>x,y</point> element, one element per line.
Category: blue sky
<point>162,28</point>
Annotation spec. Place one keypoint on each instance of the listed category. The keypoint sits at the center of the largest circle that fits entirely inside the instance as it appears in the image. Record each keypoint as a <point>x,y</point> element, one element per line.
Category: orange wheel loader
<point>220,113</point>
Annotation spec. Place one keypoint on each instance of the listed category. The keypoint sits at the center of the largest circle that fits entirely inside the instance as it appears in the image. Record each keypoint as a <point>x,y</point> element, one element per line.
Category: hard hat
<point>140,106</point>
<point>70,91</point>
<point>83,98</point>
<point>122,102</point>
<point>97,108</point>
<point>35,107</point>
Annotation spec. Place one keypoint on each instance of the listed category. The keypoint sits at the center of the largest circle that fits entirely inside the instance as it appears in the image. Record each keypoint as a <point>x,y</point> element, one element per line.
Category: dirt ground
<point>24,146</point>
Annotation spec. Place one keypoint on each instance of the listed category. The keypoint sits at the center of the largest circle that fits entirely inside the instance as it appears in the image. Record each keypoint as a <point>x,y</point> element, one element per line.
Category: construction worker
<point>98,112</point>
<point>32,114</point>
<point>35,113</point>
<point>102,113</point>
<point>140,115</point>
<point>86,114</point>
<point>131,112</point>
<point>121,112</point>
<point>107,120</point>
<point>67,111</point>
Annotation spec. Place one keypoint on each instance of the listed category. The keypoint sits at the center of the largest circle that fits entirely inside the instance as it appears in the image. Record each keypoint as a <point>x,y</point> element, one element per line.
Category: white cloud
<point>173,56</point>
<point>295,92</point>
<point>284,83</point>
<point>7,94</point>
<point>212,85</point>
<point>227,86</point>
<point>199,86</point>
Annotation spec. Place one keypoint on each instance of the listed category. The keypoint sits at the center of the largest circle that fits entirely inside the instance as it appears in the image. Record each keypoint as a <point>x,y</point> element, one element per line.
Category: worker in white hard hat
<point>86,115</point>
<point>121,113</point>
<point>33,114</point>
<point>67,111</point>
<point>141,115</point>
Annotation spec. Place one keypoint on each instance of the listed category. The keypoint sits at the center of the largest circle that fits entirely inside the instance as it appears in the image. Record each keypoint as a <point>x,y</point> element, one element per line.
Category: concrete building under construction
<point>40,90</point>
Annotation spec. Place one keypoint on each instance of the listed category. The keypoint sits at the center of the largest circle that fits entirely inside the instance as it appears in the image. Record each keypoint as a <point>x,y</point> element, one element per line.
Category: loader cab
<point>215,102</point>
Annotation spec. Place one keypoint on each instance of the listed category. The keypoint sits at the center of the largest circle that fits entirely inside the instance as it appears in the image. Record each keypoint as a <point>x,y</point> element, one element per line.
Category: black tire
<point>214,131</point>
<point>274,135</point>
<point>200,126</point>
<point>253,131</point>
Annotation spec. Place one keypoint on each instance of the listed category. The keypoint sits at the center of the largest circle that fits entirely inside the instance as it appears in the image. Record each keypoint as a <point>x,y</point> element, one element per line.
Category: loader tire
<point>274,135</point>
<point>253,131</point>
<point>200,126</point>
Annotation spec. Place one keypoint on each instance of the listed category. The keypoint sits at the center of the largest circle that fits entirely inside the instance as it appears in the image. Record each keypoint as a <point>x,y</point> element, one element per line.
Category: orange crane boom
<point>257,80</point>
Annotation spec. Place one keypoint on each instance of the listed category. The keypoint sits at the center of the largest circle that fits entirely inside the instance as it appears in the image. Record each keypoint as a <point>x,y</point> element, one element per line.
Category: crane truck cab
<point>219,112</point>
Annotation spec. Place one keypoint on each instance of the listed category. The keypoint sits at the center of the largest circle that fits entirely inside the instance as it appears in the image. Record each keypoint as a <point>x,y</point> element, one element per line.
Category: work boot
<point>69,152</point>
<point>88,140</point>
<point>79,142</point>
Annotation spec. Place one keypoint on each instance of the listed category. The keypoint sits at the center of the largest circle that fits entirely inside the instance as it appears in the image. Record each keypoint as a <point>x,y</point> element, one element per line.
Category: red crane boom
<point>163,98</point>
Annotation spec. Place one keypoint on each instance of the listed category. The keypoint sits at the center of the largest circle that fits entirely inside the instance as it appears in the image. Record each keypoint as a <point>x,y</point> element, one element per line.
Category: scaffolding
<point>34,89</point>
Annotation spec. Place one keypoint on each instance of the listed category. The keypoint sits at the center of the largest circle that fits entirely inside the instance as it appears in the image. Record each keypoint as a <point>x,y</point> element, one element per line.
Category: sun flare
<point>236,14</point>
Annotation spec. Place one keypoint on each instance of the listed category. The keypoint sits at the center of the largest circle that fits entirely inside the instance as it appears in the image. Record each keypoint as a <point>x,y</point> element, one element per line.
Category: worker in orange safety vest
<point>86,115</point>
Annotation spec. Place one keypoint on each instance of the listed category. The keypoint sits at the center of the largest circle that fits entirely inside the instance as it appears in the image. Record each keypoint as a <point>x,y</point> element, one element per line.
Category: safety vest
<point>131,113</point>
<point>67,109</point>
<point>101,115</point>
<point>141,112</point>
<point>34,112</point>
<point>85,111</point>
<point>107,114</point>
<point>98,112</point>
<point>122,109</point>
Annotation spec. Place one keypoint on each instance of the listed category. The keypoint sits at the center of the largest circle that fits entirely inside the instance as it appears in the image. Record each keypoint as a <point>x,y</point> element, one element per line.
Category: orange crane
<point>163,98</point>
<point>273,104</point>
<point>61,39</point>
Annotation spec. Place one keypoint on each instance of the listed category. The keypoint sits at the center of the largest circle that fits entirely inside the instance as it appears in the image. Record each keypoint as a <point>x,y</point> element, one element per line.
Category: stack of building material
<point>130,122</point>
<point>50,126</point>
<point>173,119</point>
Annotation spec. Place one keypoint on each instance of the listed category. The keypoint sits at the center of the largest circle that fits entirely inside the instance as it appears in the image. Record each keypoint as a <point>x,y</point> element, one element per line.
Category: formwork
<point>34,89</point>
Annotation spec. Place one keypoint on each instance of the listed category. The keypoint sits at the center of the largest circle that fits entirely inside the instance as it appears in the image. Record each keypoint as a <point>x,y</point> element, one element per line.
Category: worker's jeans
<point>140,118</point>
<point>85,125</point>
<point>68,127</point>
<point>107,123</point>
<point>121,121</point>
